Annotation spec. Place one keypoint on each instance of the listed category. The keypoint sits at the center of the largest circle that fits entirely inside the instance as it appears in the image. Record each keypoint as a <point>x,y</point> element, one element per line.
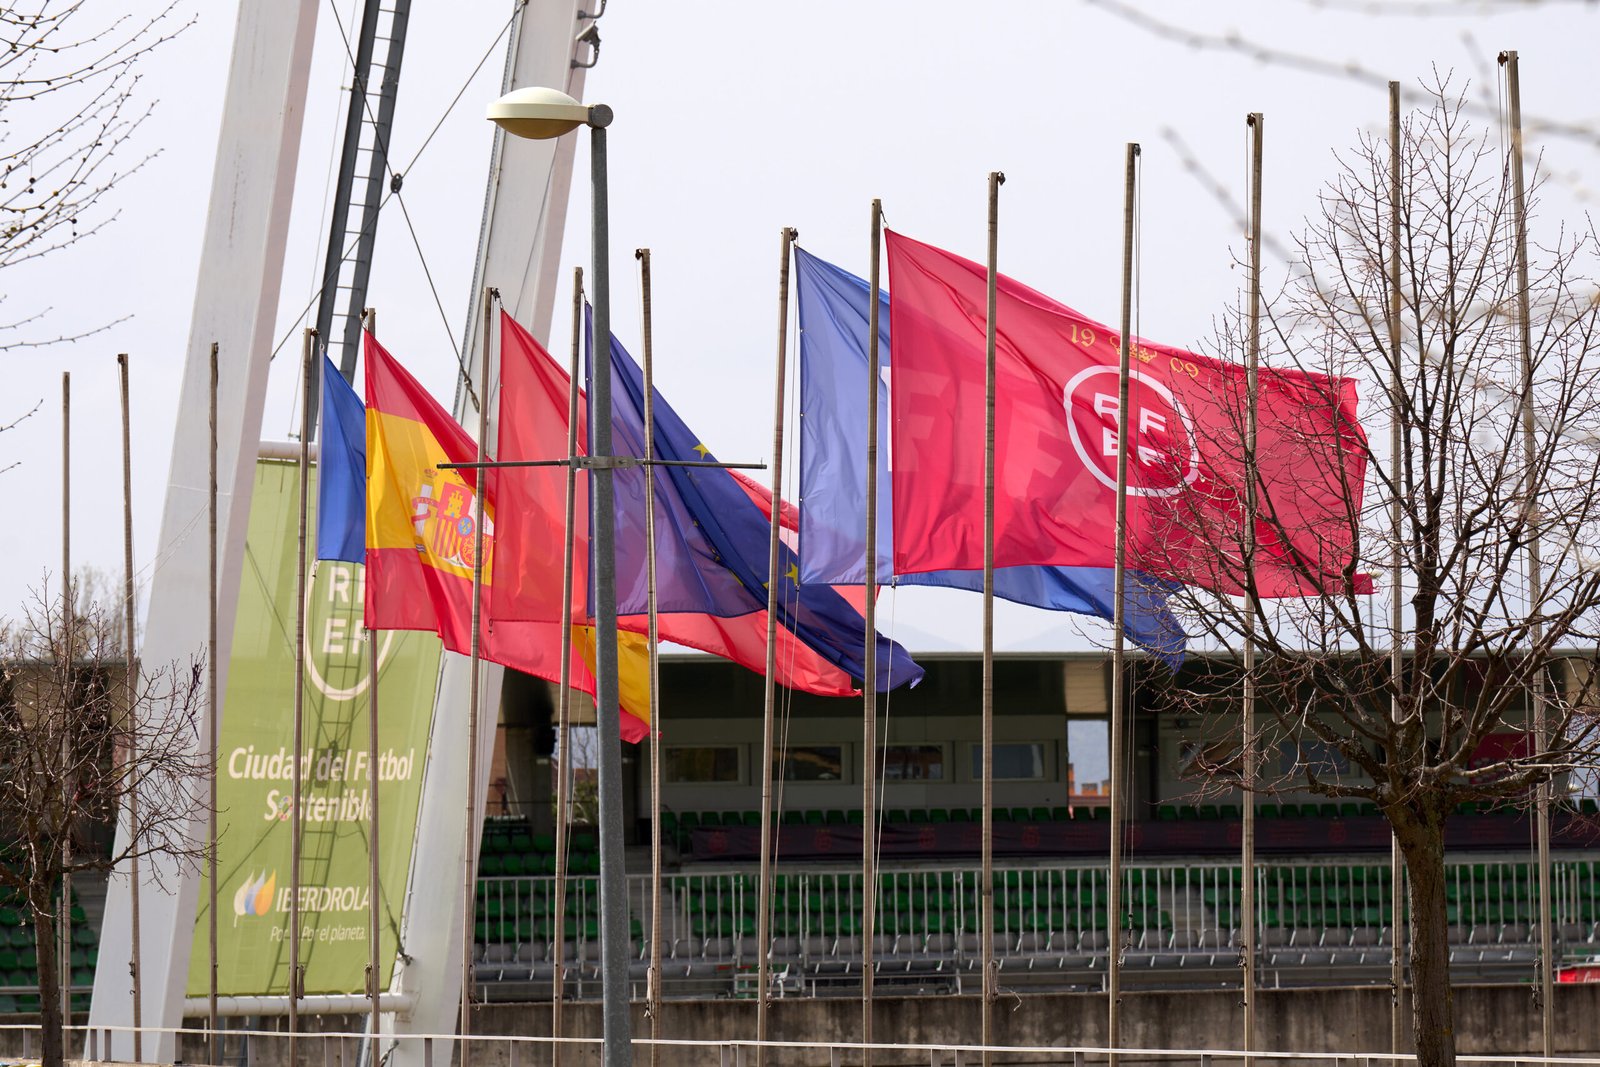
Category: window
<point>912,763</point>
<point>1016,762</point>
<point>810,763</point>
<point>702,764</point>
<point>1088,757</point>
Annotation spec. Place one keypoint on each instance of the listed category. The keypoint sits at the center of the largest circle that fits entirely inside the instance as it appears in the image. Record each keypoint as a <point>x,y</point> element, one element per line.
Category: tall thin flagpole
<point>375,982</point>
<point>212,704</point>
<point>1119,612</point>
<point>1541,728</point>
<point>564,700</point>
<point>1397,911</point>
<point>986,883</point>
<point>69,675</point>
<point>770,688</point>
<point>653,985</point>
<point>296,984</point>
<point>469,873</point>
<point>1247,769</point>
<point>130,688</point>
<point>869,679</point>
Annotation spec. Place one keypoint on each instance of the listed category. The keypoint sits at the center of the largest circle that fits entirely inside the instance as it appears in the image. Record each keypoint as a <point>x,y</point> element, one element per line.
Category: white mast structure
<point>247,224</point>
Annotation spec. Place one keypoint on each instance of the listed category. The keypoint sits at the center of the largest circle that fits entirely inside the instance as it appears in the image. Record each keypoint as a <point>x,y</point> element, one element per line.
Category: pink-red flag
<point>1057,421</point>
<point>533,406</point>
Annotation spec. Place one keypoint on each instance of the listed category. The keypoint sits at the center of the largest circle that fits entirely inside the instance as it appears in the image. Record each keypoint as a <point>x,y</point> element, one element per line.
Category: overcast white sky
<point>734,120</point>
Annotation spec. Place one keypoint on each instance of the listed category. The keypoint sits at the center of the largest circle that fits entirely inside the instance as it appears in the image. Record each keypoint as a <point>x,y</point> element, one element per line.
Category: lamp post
<point>541,114</point>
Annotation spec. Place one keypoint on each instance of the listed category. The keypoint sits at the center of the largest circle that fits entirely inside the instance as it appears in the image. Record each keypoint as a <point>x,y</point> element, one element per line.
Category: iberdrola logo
<point>254,897</point>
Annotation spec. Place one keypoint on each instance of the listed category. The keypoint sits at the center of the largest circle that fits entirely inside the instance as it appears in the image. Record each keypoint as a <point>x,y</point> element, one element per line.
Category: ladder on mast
<point>363,166</point>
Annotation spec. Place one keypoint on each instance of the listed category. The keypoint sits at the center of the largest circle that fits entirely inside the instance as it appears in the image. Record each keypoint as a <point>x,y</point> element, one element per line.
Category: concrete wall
<point>1490,1020</point>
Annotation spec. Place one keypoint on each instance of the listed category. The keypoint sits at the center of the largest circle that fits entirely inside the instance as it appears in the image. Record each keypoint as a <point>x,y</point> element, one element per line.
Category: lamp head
<point>538,113</point>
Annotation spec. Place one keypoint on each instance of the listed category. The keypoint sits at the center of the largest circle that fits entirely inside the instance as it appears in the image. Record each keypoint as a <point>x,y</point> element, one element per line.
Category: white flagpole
<point>1247,849</point>
<point>869,681</point>
<point>653,984</point>
<point>469,844</point>
<point>1119,612</point>
<point>770,691</point>
<point>986,885</point>
<point>564,701</point>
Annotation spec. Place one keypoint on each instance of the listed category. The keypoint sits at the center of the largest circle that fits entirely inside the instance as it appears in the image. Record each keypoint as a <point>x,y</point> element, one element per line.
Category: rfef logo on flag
<point>1163,455</point>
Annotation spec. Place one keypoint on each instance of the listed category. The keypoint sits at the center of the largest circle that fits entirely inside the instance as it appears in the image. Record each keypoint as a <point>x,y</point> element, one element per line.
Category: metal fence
<point>1317,922</point>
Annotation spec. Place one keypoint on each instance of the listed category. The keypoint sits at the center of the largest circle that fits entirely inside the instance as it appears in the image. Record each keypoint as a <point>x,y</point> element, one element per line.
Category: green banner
<point>256,768</point>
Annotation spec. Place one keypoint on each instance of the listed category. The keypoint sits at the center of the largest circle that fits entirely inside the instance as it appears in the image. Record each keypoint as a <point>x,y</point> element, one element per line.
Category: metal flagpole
<point>1119,583</point>
<point>770,692</point>
<point>1397,913</point>
<point>869,680</point>
<point>69,674</point>
<point>307,377</point>
<point>129,688</point>
<point>653,985</point>
<point>617,1024</point>
<point>469,841</point>
<point>564,700</point>
<point>1541,728</point>
<point>1247,769</point>
<point>212,705</point>
<point>375,981</point>
<point>986,878</point>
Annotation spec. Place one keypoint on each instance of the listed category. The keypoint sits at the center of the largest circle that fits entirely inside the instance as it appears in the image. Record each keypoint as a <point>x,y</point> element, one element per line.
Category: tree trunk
<point>1433,1018</point>
<point>44,947</point>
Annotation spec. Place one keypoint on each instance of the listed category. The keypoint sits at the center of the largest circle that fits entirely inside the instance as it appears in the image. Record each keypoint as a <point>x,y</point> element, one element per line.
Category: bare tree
<point>1496,459</point>
<point>65,729</point>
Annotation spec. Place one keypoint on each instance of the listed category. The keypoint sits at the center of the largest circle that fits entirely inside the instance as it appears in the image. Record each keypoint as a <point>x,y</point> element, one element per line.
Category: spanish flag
<point>421,538</point>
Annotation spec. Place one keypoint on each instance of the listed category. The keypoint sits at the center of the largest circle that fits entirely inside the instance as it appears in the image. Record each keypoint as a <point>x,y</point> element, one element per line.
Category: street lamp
<point>541,114</point>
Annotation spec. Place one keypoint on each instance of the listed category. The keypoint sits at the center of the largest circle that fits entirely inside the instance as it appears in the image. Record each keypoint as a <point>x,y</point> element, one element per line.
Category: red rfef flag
<point>533,425</point>
<point>1056,425</point>
<point>421,541</point>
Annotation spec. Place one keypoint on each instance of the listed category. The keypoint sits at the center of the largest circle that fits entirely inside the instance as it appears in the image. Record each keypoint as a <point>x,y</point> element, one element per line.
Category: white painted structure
<point>236,303</point>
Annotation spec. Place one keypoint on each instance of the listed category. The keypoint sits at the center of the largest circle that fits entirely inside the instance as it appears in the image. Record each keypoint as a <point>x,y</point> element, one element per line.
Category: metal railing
<point>1313,919</point>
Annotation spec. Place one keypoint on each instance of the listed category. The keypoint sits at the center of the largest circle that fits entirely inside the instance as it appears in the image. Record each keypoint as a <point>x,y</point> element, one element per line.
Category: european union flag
<point>341,471</point>
<point>834,306</point>
<point>722,569</point>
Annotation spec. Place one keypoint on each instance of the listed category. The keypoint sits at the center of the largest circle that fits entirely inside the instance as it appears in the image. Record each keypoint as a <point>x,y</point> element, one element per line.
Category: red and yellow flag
<point>421,538</point>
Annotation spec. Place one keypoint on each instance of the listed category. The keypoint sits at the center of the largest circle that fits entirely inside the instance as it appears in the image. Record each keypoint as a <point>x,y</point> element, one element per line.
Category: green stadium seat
<point>1267,811</point>
<point>1060,813</point>
<point>917,815</point>
<point>938,815</point>
<point>1207,812</point>
<point>1167,813</point>
<point>1020,814</point>
<point>814,817</point>
<point>546,843</point>
<point>853,817</point>
<point>960,815</point>
<point>1326,811</point>
<point>837,818</point>
<point>1039,815</point>
<point>751,819</point>
<point>1349,810</point>
<point>894,816</point>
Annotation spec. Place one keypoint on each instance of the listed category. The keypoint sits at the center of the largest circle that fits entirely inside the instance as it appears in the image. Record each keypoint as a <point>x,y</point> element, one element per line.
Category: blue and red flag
<point>834,329</point>
<point>728,537</point>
